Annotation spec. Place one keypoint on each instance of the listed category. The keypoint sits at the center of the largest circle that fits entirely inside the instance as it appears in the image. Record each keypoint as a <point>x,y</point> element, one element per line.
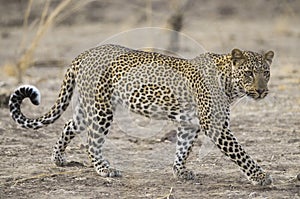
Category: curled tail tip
<point>27,91</point>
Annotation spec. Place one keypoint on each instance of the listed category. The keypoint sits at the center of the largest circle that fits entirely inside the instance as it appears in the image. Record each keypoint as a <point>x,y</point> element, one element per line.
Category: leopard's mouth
<point>257,94</point>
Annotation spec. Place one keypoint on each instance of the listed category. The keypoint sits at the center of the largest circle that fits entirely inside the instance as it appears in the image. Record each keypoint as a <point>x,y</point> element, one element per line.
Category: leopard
<point>195,94</point>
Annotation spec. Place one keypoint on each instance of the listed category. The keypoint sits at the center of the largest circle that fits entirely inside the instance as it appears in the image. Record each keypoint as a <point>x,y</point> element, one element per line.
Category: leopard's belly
<point>156,92</point>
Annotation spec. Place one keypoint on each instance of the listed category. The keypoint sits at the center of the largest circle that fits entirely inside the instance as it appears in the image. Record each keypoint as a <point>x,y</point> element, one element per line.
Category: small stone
<point>298,177</point>
<point>4,99</point>
<point>294,140</point>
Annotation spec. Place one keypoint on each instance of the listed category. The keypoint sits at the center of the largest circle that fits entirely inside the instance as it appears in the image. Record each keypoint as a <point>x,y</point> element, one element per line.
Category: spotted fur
<point>196,94</point>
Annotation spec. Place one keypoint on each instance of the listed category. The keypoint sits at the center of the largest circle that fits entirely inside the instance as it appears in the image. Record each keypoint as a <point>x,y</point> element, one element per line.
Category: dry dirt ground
<point>269,129</point>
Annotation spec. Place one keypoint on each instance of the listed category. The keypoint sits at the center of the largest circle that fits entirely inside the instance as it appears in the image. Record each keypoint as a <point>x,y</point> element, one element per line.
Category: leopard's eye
<point>266,73</point>
<point>248,73</point>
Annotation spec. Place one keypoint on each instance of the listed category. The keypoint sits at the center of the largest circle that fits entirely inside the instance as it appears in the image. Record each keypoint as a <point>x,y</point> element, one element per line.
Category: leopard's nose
<point>260,91</point>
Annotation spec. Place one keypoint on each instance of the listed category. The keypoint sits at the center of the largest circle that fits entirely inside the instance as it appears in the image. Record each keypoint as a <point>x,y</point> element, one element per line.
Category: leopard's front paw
<point>185,175</point>
<point>59,159</point>
<point>103,169</point>
<point>263,179</point>
<point>109,172</point>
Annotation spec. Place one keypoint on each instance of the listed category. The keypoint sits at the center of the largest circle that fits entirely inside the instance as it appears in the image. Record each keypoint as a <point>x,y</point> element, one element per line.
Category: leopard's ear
<point>269,56</point>
<point>237,57</point>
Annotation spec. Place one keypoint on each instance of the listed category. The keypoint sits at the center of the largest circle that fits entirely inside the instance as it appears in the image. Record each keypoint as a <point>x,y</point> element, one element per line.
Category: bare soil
<point>268,129</point>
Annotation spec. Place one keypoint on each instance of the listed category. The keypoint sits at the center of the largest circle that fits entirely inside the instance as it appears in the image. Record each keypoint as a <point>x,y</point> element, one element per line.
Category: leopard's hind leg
<point>71,128</point>
<point>186,134</point>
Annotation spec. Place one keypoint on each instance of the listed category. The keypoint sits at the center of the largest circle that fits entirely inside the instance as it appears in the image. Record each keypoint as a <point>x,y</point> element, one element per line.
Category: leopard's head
<point>251,72</point>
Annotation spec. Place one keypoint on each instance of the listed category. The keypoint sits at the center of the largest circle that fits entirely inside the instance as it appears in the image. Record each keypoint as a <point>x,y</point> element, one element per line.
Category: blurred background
<point>53,32</point>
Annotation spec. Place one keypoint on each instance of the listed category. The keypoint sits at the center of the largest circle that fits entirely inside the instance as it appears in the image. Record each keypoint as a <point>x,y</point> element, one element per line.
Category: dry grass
<point>170,195</point>
<point>18,68</point>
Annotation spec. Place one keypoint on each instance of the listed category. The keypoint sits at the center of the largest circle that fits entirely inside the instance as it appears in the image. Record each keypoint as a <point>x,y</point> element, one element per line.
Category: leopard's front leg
<point>99,123</point>
<point>228,144</point>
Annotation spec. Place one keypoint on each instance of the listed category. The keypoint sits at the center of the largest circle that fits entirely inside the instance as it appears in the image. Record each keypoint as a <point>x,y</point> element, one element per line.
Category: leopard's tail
<point>33,94</point>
